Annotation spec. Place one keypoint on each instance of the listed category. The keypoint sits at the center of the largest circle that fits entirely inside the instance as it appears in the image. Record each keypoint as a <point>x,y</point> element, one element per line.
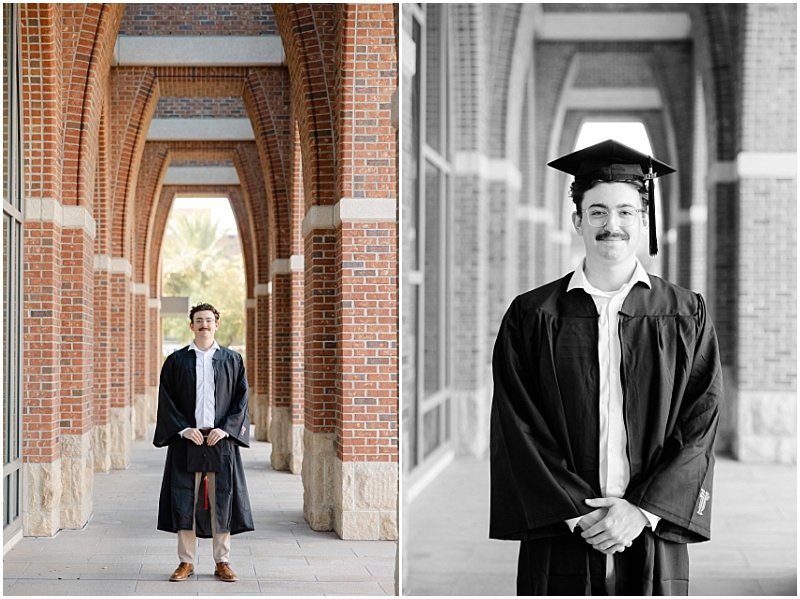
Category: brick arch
<point>720,42</point>
<point>134,94</point>
<point>247,160</point>
<point>308,39</point>
<point>89,33</point>
<point>267,96</point>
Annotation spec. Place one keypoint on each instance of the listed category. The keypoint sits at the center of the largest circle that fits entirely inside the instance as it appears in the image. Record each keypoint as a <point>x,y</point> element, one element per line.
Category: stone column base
<point>77,477</point>
<point>318,473</point>
<point>471,409</point>
<point>767,427</point>
<point>258,408</point>
<point>152,404</point>
<point>366,500</point>
<point>41,498</point>
<point>296,457</point>
<point>121,437</point>
<point>101,447</point>
<point>281,437</point>
<point>140,415</point>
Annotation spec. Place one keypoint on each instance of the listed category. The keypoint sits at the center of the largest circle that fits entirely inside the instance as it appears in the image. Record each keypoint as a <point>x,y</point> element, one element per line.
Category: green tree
<point>203,262</point>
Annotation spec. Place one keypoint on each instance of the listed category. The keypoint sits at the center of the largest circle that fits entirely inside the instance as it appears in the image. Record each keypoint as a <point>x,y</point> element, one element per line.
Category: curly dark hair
<point>579,188</point>
<point>202,307</point>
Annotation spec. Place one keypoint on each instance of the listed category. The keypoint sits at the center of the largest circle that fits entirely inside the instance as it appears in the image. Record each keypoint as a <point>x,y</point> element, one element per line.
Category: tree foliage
<point>203,262</point>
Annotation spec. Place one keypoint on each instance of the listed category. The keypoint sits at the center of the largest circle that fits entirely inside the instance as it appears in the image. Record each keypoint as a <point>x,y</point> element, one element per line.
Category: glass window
<point>12,273</point>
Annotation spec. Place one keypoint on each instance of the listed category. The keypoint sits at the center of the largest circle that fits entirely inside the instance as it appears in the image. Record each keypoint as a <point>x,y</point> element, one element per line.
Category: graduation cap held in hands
<point>612,161</point>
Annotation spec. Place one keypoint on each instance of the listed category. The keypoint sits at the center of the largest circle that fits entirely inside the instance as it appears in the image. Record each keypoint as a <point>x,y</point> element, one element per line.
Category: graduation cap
<point>612,161</point>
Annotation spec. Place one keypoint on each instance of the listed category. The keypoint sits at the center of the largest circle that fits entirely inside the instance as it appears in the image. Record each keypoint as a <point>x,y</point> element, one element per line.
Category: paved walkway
<point>753,551</point>
<point>120,552</point>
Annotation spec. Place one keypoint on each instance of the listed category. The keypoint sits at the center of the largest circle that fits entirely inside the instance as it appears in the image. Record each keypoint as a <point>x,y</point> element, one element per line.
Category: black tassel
<point>651,210</point>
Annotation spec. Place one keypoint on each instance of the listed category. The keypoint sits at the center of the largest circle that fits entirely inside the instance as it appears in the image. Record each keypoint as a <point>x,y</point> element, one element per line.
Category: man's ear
<point>576,220</point>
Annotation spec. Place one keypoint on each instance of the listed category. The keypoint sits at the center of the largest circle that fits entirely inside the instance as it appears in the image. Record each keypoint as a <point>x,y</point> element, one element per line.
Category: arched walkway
<point>287,110</point>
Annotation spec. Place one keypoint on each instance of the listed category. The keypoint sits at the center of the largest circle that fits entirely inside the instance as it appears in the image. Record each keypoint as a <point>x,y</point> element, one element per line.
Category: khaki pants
<point>187,540</point>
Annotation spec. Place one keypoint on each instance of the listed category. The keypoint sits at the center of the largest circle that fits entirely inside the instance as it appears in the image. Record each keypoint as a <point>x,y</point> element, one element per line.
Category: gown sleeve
<point>169,420</point>
<point>534,485</point>
<point>680,490</point>
<point>237,421</point>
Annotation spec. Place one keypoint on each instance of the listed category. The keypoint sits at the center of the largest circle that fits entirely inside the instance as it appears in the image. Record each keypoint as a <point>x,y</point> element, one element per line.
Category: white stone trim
<point>694,215</point>
<point>199,129</point>
<point>561,237</point>
<point>199,50</point>
<point>535,214</point>
<point>297,263</point>
<point>723,172</point>
<point>318,217</point>
<point>140,289</point>
<point>614,26</point>
<point>269,288</point>
<point>78,217</point>
<point>115,265</point>
<point>102,262</point>
<point>154,302</point>
<point>613,98</point>
<point>201,175</point>
<point>758,165</point>
<point>45,210</point>
<point>489,169</point>
<point>365,210</point>
<point>250,303</point>
<point>280,266</point>
<point>261,289</point>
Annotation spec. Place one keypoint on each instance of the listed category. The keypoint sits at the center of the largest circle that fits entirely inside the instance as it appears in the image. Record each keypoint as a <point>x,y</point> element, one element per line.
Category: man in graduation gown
<point>607,386</point>
<point>203,419</point>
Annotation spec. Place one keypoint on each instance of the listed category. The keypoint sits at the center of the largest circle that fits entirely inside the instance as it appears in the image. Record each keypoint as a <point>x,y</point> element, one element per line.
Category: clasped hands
<point>613,525</point>
<point>215,435</point>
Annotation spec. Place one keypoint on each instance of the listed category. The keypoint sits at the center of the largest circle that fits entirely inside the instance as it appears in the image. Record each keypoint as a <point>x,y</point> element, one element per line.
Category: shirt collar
<point>578,279</point>
<point>192,346</point>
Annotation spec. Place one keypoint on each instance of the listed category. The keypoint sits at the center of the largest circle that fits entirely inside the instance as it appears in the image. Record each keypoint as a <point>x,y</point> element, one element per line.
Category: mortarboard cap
<point>612,161</point>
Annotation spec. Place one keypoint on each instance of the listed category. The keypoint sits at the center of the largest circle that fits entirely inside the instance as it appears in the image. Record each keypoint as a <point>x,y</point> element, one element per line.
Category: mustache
<point>605,236</point>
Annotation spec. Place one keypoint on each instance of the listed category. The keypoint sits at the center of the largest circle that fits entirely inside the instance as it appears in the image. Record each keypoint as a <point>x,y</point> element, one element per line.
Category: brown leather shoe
<point>223,570</point>
<point>182,573</point>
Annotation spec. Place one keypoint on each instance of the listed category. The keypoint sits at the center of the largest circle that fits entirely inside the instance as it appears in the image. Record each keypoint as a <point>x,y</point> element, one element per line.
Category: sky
<point>220,209</point>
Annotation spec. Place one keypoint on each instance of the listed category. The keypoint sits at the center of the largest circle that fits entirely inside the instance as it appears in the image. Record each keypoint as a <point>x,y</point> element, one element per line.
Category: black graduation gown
<point>545,427</point>
<point>176,405</point>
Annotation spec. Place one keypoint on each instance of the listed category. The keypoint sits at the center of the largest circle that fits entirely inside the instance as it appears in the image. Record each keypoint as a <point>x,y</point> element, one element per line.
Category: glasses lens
<point>599,218</point>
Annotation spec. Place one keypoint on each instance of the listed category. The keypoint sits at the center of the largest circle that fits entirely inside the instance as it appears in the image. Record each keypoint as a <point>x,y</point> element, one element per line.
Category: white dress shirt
<point>615,469</point>
<point>205,400</point>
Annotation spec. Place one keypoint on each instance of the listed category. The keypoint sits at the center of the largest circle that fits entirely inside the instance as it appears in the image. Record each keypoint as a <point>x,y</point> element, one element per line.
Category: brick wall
<point>198,19</point>
<point>198,107</point>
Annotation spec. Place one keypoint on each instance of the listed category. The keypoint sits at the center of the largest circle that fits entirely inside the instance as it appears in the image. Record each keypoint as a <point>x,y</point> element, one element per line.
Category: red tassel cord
<point>205,492</point>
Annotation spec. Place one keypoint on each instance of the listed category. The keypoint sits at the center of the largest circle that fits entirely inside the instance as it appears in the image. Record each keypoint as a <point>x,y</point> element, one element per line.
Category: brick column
<point>101,430</point>
<point>250,326</point>
<point>139,358</point>
<point>121,390</point>
<point>765,381</point>
<point>77,358</point>
<point>260,388</point>
<point>297,365</point>
<point>286,438</point>
<point>320,357</point>
<point>366,464</point>
<point>41,450</point>
<point>154,357</point>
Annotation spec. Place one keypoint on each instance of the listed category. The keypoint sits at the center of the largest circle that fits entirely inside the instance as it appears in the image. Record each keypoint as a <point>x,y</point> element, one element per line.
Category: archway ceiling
<point>201,52</point>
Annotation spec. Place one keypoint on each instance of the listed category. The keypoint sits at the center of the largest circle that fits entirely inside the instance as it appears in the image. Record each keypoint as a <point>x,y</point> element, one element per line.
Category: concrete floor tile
<point>784,587</point>
<point>217,587</point>
<point>72,587</point>
<point>721,587</point>
<point>761,556</point>
<point>280,588</point>
<point>485,584</point>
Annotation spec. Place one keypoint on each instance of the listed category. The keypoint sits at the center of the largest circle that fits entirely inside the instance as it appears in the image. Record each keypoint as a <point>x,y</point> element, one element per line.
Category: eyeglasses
<point>204,320</point>
<point>625,216</point>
